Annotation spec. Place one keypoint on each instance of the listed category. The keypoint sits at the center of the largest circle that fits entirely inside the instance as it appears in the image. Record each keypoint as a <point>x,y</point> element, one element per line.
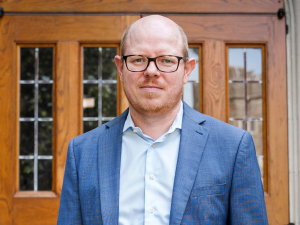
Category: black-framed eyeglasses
<point>164,63</point>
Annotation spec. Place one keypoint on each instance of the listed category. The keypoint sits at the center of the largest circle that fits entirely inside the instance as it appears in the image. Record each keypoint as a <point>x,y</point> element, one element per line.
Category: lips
<point>150,88</point>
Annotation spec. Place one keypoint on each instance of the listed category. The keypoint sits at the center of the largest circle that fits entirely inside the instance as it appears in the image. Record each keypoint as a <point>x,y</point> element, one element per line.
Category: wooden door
<point>41,53</point>
<point>212,39</point>
<point>258,100</point>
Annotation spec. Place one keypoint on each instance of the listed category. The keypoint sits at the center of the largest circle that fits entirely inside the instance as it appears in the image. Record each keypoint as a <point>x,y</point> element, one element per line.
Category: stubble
<point>141,106</point>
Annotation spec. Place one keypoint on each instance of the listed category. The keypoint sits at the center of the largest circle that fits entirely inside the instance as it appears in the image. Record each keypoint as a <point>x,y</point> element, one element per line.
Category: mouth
<point>151,88</point>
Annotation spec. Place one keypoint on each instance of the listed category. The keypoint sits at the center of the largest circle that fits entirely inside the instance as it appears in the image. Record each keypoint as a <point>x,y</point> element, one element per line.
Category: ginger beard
<point>144,105</point>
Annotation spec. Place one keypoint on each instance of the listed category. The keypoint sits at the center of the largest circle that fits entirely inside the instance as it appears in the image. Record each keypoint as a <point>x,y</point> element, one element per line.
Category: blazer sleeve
<point>69,209</point>
<point>247,205</point>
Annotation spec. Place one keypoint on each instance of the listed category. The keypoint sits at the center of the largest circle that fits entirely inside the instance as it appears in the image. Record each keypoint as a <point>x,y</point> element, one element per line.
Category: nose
<point>152,70</point>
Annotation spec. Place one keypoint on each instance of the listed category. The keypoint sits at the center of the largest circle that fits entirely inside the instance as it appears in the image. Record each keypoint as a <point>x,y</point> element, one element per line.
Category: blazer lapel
<point>109,159</point>
<point>192,144</point>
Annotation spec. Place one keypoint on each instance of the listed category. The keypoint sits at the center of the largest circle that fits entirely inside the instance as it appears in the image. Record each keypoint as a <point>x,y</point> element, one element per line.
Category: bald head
<point>154,23</point>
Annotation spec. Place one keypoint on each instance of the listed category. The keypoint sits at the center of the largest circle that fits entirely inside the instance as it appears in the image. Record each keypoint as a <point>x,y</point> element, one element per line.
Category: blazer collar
<point>109,160</point>
<point>192,143</point>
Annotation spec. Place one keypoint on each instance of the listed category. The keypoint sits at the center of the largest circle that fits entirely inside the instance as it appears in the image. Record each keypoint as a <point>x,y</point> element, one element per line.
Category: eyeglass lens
<point>163,63</point>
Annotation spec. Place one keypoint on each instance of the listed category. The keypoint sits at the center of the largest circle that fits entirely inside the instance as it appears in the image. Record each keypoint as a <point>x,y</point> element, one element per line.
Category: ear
<point>119,64</point>
<point>189,67</point>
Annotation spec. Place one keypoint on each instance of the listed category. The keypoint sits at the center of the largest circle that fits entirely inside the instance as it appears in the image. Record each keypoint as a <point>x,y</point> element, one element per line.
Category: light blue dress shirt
<point>147,174</point>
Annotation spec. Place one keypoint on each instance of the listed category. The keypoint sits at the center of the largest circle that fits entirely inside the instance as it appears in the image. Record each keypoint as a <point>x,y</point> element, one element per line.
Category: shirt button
<point>152,210</point>
<point>152,177</point>
<point>134,130</point>
<point>153,145</point>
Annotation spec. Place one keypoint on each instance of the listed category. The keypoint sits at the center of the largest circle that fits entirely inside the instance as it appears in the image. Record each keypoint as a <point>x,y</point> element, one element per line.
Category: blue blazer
<point>217,178</point>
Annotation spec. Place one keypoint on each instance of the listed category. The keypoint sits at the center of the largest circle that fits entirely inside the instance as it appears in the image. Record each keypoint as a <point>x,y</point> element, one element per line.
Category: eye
<point>167,60</point>
<point>139,60</point>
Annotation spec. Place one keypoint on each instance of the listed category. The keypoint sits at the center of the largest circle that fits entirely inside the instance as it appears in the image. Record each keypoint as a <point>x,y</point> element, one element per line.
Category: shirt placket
<point>150,179</point>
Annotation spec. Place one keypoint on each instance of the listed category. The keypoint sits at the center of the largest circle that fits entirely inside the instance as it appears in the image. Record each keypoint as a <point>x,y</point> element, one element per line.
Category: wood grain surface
<point>278,202</point>
<point>145,6</point>
<point>214,82</point>
<point>7,119</point>
<point>41,211</point>
<point>67,105</point>
<point>88,29</point>
<point>228,28</point>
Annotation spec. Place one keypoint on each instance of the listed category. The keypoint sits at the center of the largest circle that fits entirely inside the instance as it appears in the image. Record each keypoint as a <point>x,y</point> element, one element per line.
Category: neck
<point>154,124</point>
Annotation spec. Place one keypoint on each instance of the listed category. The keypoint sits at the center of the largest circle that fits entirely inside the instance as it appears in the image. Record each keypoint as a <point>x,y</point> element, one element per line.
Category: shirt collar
<point>176,124</point>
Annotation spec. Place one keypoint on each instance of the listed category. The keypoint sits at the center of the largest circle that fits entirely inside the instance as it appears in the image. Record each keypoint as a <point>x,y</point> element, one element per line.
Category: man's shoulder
<point>93,136</point>
<point>90,136</point>
<point>212,124</point>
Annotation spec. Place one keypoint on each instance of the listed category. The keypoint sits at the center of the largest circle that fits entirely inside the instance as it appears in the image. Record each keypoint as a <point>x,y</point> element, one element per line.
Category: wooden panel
<point>7,118</point>
<point>170,6</point>
<point>38,194</point>
<point>214,82</point>
<point>107,28</point>
<point>35,211</point>
<point>278,205</point>
<point>67,108</point>
<point>233,28</point>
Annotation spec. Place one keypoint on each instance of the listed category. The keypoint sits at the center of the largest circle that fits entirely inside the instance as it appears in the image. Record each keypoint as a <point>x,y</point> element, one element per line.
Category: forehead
<point>155,36</point>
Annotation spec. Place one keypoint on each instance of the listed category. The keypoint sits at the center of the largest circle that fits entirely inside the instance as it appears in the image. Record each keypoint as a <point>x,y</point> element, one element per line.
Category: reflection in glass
<point>236,63</point>
<point>236,100</point>
<point>45,63</point>
<point>27,100</point>
<point>254,100</point>
<point>256,130</point>
<point>44,175</point>
<point>91,92</point>
<point>89,125</point>
<point>191,88</point>
<point>245,78</point>
<point>260,160</point>
<point>26,174</point>
<point>191,94</point>
<point>26,138</point>
<point>237,123</point>
<point>91,63</point>
<point>27,63</point>
<point>99,86</point>
<point>254,64</point>
<point>109,100</point>
<point>45,138</point>
<point>109,70</point>
<point>45,100</point>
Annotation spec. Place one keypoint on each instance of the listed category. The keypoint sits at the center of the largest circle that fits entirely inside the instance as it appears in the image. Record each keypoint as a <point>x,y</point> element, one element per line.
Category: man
<point>161,162</point>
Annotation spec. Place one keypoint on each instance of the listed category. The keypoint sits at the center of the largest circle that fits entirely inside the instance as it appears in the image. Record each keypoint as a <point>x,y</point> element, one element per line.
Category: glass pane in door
<point>36,119</point>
